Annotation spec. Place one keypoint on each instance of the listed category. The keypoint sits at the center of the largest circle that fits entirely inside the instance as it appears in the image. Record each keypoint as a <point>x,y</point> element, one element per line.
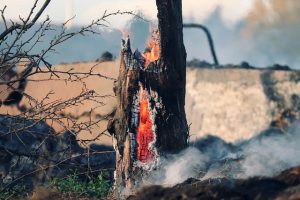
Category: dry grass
<point>40,85</point>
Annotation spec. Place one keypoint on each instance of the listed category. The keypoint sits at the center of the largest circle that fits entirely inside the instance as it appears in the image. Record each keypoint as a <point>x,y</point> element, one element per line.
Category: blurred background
<point>261,32</point>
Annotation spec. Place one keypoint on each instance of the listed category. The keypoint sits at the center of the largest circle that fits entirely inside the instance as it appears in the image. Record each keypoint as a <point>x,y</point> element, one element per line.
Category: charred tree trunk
<point>150,119</point>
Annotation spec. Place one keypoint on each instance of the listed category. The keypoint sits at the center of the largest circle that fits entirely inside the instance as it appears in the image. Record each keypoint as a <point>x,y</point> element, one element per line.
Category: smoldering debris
<point>284,186</point>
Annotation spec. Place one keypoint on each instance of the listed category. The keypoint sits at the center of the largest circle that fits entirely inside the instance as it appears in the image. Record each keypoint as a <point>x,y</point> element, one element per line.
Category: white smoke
<point>194,163</point>
<point>271,154</point>
<point>266,154</point>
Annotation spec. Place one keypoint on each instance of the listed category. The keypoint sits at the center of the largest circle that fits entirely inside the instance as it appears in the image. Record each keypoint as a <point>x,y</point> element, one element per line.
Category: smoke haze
<point>268,34</point>
<point>266,154</point>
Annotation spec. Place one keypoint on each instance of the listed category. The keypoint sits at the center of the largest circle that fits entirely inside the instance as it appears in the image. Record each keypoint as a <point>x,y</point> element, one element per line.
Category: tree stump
<point>150,119</point>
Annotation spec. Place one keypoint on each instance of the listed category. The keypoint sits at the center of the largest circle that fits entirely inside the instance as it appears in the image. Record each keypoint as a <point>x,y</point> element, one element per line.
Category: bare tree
<point>17,48</point>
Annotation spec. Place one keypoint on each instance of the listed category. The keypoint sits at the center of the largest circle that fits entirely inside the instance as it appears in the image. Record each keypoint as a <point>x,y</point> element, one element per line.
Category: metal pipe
<point>209,38</point>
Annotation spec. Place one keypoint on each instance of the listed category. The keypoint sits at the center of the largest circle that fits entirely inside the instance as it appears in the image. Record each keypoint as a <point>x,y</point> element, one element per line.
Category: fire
<point>145,133</point>
<point>152,51</point>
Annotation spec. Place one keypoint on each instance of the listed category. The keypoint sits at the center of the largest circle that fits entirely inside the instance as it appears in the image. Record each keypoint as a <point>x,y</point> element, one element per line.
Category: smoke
<point>176,173</point>
<point>266,154</point>
<point>270,154</point>
<point>268,35</point>
<point>139,32</point>
<point>273,27</point>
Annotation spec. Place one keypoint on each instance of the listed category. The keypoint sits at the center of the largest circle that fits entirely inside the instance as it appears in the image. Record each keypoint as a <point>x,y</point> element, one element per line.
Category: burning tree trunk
<point>150,119</point>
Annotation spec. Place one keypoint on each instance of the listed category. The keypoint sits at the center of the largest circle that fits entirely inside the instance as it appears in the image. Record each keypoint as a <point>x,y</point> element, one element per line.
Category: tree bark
<point>150,119</point>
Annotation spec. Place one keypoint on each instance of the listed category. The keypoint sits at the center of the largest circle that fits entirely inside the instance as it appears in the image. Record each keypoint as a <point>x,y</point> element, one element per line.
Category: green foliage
<point>94,187</point>
<point>98,187</point>
<point>69,184</point>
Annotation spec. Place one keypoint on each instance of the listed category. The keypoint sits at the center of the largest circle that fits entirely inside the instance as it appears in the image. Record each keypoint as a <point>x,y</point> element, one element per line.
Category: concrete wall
<point>238,103</point>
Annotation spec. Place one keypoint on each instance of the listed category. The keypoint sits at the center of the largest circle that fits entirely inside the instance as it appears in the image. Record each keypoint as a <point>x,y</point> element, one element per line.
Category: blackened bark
<point>163,84</point>
<point>173,134</point>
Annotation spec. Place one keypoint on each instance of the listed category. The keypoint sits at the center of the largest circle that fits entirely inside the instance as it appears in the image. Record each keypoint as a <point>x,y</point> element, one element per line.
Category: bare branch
<point>25,26</point>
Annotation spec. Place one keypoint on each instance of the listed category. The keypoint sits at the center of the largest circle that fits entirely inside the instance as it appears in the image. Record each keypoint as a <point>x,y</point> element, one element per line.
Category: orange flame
<point>152,51</point>
<point>145,133</point>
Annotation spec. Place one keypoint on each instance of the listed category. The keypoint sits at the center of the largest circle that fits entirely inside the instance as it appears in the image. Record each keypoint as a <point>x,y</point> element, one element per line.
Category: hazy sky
<point>85,11</point>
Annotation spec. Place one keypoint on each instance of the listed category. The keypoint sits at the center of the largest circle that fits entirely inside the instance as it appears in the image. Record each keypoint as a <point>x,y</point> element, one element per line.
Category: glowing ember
<point>152,51</point>
<point>145,133</point>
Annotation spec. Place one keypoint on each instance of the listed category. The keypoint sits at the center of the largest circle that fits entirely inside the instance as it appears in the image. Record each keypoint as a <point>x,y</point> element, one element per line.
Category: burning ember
<point>152,51</point>
<point>145,133</point>
<point>143,124</point>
